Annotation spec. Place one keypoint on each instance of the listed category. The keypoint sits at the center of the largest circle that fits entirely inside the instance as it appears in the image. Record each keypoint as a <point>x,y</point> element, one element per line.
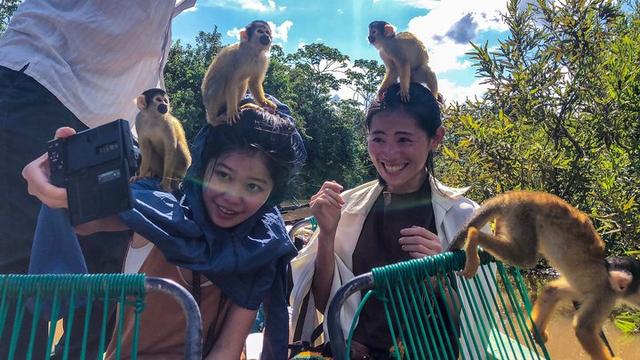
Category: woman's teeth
<point>393,168</point>
<point>226,211</point>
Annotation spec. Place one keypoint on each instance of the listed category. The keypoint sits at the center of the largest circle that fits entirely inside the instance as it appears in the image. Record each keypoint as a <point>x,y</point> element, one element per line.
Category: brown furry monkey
<point>532,223</point>
<point>163,145</point>
<point>236,68</point>
<point>404,55</point>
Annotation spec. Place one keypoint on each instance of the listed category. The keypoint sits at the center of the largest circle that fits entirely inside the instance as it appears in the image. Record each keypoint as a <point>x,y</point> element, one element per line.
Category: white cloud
<point>281,32</point>
<point>449,25</point>
<point>252,5</point>
<point>235,33</point>
<point>420,4</point>
<point>453,92</point>
<point>340,11</point>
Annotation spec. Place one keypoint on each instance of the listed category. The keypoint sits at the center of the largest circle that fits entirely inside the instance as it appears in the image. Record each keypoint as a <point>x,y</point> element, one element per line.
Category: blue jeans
<point>29,117</point>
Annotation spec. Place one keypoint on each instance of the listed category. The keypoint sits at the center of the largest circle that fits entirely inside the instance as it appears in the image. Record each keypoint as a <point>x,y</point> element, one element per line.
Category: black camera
<point>95,166</point>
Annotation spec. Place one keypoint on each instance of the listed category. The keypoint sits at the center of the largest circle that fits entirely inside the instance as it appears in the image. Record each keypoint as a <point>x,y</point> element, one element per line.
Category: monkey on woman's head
<point>163,144</point>
<point>235,69</point>
<point>529,223</point>
<point>404,56</point>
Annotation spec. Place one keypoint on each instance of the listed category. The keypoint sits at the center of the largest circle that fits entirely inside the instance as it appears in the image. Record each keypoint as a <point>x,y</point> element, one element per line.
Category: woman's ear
<point>439,135</point>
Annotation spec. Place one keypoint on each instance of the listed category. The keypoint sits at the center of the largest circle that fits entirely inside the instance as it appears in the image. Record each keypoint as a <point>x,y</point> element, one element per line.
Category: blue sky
<point>446,27</point>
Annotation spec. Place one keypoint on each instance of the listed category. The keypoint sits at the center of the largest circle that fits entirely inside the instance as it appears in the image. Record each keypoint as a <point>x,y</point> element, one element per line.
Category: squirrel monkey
<point>236,68</point>
<point>528,223</point>
<point>163,145</point>
<point>404,55</point>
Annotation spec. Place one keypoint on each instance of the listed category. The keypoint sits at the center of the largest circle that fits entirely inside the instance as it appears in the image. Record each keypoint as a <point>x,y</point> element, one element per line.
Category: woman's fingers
<point>36,173</point>
<point>64,132</point>
<point>419,242</point>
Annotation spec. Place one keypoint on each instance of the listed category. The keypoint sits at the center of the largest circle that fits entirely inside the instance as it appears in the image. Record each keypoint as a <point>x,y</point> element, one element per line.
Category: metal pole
<point>193,341</point>
<point>336,335</point>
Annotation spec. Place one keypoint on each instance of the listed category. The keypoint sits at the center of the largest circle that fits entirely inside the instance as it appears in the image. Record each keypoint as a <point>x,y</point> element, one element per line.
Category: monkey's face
<point>263,35</point>
<point>161,104</point>
<point>374,33</point>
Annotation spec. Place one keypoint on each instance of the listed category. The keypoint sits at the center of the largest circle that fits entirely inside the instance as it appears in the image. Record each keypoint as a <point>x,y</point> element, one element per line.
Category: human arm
<point>326,206</point>
<point>233,334</point>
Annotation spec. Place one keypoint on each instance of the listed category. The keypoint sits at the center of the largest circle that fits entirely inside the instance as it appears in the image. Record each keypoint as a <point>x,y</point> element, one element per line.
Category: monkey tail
<point>487,212</point>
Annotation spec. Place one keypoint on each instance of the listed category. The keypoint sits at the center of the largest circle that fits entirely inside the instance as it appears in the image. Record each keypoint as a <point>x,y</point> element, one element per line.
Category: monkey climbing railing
<point>57,295</point>
<point>492,320</point>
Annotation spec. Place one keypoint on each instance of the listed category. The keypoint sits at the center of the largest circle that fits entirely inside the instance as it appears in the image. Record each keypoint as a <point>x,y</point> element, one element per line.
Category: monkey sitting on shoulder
<point>163,144</point>
<point>528,223</point>
<point>403,55</point>
<point>236,68</point>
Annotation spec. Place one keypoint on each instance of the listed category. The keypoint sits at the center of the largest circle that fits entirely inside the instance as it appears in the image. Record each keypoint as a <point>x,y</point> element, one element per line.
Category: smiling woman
<point>404,214</point>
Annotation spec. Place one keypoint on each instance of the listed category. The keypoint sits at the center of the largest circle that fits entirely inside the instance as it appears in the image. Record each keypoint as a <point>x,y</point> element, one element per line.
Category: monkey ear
<point>243,36</point>
<point>389,30</point>
<point>140,102</point>
<point>620,280</point>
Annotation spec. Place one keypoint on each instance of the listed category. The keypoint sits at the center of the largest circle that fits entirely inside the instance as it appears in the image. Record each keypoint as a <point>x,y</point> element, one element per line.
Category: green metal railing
<point>56,296</point>
<point>489,312</point>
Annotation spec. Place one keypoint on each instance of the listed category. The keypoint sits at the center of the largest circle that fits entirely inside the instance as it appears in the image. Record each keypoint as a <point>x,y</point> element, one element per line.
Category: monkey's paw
<point>270,104</point>
<point>404,95</point>
<point>471,265</point>
<point>233,117</point>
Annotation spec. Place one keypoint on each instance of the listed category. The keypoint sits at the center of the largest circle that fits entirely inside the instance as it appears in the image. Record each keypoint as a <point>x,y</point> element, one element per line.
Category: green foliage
<point>7,8</point>
<point>183,73</point>
<point>561,113</point>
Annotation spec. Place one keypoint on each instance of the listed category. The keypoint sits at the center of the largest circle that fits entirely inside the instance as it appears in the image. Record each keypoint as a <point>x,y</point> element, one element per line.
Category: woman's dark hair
<point>260,132</point>
<point>422,106</point>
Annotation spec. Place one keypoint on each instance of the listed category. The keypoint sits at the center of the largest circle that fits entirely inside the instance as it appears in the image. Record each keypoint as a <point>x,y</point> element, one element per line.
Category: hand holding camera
<point>87,172</point>
<point>36,173</point>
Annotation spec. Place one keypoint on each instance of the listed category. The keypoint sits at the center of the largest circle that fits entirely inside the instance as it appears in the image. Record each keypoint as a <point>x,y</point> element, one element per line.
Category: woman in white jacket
<point>404,214</point>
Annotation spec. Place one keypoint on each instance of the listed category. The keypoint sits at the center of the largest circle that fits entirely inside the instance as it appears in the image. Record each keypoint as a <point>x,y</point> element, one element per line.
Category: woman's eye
<point>376,140</point>
<point>404,140</point>
<point>221,175</point>
<point>254,188</point>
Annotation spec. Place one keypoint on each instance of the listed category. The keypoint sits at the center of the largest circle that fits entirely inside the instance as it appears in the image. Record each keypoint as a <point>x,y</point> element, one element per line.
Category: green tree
<point>560,114</point>
<point>7,8</point>
<point>183,74</point>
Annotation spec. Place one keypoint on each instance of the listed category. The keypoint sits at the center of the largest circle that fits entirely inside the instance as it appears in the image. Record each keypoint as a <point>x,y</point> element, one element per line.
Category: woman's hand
<point>326,206</point>
<point>36,173</point>
<point>419,242</point>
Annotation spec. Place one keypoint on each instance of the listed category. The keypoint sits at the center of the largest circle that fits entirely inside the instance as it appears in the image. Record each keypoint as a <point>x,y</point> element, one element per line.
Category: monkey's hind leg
<point>168,168</point>
<point>516,245</point>
<point>552,293</point>
<point>233,95</point>
<point>588,322</point>
<point>472,261</point>
<point>146,153</point>
<point>255,86</point>
<point>405,79</point>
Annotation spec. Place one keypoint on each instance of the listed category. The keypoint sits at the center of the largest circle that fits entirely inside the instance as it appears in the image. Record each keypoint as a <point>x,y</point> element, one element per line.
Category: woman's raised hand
<point>419,242</point>
<point>326,206</point>
<point>36,173</point>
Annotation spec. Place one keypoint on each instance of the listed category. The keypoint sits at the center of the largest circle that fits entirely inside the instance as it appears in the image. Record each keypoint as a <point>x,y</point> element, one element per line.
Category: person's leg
<point>29,116</point>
